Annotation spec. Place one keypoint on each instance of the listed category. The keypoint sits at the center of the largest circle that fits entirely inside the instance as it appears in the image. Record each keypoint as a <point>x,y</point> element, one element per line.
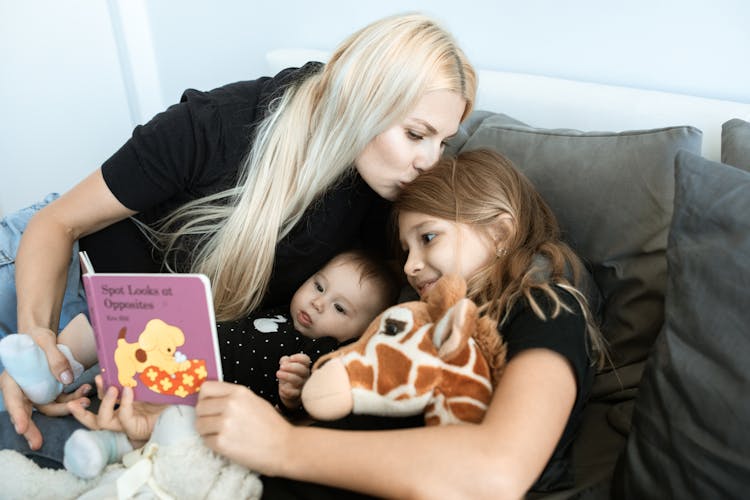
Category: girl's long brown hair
<point>476,188</point>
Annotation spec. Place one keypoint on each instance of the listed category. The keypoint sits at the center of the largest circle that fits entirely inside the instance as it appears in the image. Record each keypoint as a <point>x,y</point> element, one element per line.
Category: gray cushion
<point>690,436</point>
<point>612,194</point>
<point>735,143</point>
<point>469,126</point>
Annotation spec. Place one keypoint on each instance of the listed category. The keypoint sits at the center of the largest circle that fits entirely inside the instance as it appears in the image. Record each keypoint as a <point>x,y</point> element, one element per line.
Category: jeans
<point>55,431</point>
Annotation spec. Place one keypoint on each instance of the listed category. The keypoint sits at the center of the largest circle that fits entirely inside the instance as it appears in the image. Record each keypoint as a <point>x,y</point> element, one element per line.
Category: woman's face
<point>436,247</point>
<point>396,156</point>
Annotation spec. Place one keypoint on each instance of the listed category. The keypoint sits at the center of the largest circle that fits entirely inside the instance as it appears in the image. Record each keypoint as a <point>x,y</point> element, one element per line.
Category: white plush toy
<point>174,464</point>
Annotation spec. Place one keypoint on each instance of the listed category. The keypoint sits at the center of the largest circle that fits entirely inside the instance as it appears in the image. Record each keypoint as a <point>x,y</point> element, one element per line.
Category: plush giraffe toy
<point>434,356</point>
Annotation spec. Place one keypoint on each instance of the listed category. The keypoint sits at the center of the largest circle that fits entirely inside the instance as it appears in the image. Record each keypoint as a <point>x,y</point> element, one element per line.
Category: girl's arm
<point>499,458</point>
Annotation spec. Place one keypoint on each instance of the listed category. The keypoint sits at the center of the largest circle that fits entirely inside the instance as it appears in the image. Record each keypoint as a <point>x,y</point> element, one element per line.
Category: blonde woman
<point>476,216</point>
<point>256,184</point>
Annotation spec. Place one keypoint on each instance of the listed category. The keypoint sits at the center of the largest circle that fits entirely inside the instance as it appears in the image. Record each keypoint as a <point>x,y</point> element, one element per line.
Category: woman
<point>256,184</point>
<point>478,217</point>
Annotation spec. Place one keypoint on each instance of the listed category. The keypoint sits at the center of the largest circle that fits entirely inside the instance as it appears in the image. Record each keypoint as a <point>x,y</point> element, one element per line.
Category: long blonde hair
<point>307,144</point>
<point>477,187</point>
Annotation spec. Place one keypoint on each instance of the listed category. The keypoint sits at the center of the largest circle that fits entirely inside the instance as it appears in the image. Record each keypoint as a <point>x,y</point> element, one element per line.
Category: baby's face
<point>333,303</point>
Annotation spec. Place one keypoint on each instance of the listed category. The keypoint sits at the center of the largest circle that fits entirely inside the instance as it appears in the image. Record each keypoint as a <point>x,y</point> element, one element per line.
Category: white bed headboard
<point>547,102</point>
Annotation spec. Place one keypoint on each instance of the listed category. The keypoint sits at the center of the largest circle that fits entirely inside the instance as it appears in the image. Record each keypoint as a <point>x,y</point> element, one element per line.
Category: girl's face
<point>436,247</point>
<point>396,156</point>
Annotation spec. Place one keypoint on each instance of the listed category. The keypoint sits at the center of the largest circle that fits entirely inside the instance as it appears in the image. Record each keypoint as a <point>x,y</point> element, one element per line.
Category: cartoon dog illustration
<point>156,346</point>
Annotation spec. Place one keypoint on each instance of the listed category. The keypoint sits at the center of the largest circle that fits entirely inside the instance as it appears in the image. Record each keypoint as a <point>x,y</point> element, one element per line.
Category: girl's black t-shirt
<point>195,148</point>
<point>565,334</point>
<point>522,329</point>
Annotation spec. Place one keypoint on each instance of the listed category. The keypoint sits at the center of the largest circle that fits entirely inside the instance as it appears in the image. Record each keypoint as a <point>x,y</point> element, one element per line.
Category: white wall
<point>698,47</point>
<point>76,76</point>
<point>63,107</point>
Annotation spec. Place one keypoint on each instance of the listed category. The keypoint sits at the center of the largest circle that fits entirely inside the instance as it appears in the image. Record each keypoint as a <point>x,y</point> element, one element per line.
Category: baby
<point>335,305</point>
<point>270,352</point>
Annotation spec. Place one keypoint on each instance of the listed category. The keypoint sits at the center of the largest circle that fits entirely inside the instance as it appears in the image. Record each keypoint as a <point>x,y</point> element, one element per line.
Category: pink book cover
<point>154,332</point>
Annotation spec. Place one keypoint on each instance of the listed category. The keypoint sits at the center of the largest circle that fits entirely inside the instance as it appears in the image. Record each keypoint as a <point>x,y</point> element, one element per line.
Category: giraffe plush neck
<point>427,356</point>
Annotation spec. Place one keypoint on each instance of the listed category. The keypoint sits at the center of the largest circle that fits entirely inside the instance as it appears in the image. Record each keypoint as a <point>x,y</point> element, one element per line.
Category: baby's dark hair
<point>383,273</point>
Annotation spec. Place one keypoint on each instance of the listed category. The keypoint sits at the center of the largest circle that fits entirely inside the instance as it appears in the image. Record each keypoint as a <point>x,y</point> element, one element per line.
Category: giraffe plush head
<point>435,356</point>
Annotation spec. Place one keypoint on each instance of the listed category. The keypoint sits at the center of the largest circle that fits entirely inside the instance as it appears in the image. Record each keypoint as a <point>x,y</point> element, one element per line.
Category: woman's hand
<point>135,419</point>
<point>293,372</point>
<point>236,423</point>
<point>19,408</point>
<point>58,363</point>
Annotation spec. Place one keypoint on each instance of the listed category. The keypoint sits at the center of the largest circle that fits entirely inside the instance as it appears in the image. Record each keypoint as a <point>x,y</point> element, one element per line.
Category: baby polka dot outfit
<point>251,348</point>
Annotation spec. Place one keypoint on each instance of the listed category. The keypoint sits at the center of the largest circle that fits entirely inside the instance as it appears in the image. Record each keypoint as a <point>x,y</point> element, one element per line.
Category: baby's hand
<point>135,419</point>
<point>293,372</point>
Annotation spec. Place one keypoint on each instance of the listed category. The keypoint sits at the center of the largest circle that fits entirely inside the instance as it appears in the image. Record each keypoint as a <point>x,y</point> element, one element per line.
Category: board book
<point>154,332</point>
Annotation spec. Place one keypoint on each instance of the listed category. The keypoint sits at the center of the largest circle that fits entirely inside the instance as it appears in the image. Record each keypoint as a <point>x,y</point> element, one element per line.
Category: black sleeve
<point>564,334</point>
<point>176,153</point>
<point>192,149</point>
<point>195,147</point>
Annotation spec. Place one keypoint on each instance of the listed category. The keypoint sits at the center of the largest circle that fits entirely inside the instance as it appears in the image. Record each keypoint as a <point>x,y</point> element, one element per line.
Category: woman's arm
<point>44,255</point>
<point>41,270</point>
<point>500,458</point>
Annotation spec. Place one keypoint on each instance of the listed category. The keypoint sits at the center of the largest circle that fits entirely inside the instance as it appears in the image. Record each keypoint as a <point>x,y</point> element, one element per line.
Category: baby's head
<point>343,297</point>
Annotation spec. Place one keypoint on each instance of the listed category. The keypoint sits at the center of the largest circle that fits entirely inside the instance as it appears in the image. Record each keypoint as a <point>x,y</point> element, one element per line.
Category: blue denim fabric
<point>11,228</point>
<point>55,431</point>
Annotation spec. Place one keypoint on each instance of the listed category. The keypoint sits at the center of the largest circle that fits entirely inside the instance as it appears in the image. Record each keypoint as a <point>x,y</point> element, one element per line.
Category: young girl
<point>256,184</point>
<point>478,216</point>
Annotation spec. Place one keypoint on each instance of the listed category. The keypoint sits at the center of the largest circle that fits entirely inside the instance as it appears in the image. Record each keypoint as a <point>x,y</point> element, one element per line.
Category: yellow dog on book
<point>156,346</point>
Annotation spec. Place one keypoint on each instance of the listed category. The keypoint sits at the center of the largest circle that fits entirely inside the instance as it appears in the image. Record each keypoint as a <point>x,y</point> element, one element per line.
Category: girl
<point>477,216</point>
<point>256,184</point>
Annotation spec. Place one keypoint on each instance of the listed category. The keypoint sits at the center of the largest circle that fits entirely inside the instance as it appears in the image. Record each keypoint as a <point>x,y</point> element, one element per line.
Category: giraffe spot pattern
<point>393,368</point>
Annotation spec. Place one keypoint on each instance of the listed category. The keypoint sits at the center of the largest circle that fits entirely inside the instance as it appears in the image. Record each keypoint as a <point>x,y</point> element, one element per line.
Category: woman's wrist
<point>285,463</point>
<point>30,323</point>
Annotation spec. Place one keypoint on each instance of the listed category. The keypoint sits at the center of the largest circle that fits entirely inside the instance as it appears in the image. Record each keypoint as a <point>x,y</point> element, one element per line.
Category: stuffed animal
<point>173,464</point>
<point>435,356</point>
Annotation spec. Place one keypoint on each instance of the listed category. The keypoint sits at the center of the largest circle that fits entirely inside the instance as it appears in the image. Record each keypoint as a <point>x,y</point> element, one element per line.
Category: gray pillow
<point>690,436</point>
<point>735,143</point>
<point>469,126</point>
<point>612,194</point>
